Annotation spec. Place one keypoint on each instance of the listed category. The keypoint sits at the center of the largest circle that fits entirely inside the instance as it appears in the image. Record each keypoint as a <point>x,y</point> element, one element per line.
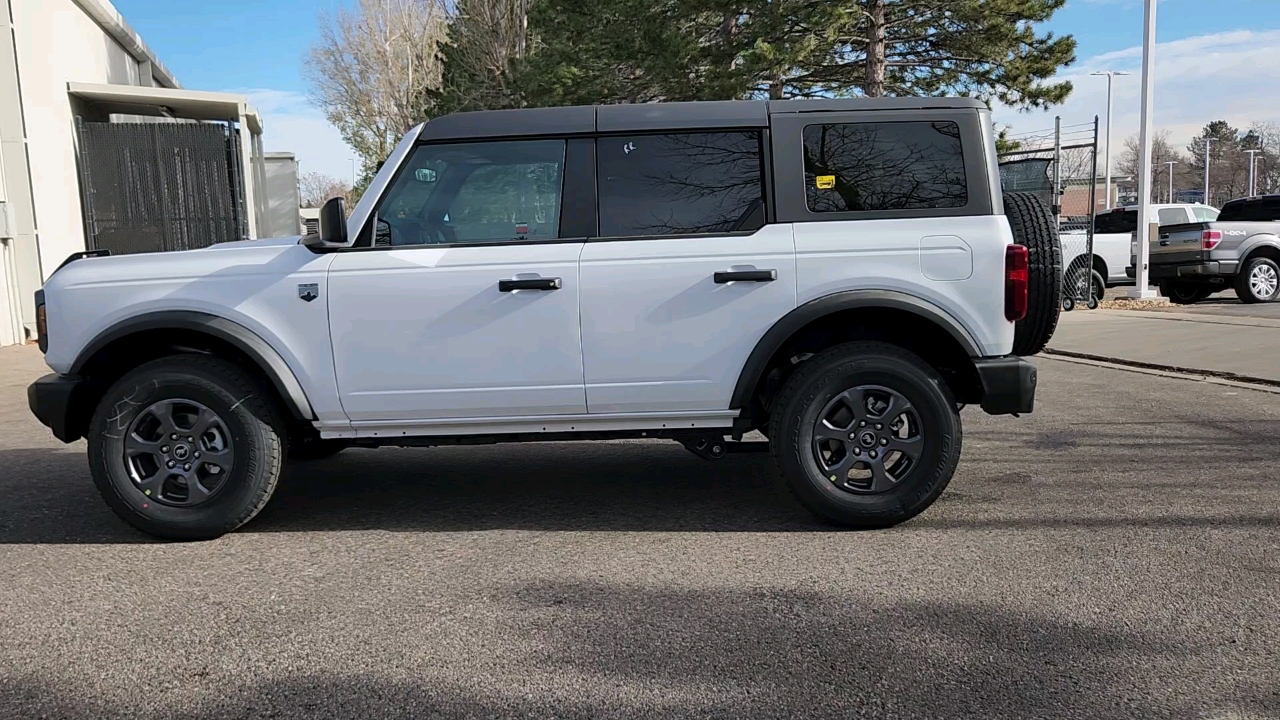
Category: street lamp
<point>1253,155</point>
<point>1205,199</point>
<point>1171,163</point>
<point>1145,133</point>
<point>1110,74</point>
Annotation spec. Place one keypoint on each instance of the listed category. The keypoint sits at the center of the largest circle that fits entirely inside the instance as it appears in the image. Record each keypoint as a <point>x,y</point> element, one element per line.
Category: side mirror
<point>333,227</point>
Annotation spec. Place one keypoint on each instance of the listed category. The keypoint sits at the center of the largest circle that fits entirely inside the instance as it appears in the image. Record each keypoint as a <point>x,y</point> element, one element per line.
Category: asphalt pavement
<point>1115,554</point>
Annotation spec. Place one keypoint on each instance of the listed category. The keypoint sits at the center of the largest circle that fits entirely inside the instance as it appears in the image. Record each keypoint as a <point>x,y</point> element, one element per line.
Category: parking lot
<point>1115,554</point>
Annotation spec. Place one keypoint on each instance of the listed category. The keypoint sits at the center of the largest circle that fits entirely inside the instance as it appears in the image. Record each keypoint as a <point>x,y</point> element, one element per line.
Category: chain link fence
<point>1060,166</point>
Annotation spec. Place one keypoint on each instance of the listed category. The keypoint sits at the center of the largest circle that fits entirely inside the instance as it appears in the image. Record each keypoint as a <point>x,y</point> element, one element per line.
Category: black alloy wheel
<point>178,452</point>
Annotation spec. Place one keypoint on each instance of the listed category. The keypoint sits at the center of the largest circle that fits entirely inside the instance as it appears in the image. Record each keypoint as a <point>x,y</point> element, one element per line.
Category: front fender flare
<point>790,323</point>
<point>242,338</point>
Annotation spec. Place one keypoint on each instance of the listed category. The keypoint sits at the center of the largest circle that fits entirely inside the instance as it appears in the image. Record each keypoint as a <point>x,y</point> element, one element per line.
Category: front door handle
<point>727,276</point>
<point>1165,236</point>
<point>529,284</point>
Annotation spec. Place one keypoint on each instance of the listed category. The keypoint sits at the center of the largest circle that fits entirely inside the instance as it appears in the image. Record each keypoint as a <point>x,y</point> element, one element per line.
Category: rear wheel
<point>1033,226</point>
<point>1184,293</point>
<point>1258,281</point>
<point>186,447</point>
<point>866,435</point>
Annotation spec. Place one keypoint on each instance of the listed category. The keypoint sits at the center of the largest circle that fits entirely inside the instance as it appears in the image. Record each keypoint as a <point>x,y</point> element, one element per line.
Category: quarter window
<point>475,193</point>
<point>867,167</point>
<point>680,184</point>
<point>1204,214</point>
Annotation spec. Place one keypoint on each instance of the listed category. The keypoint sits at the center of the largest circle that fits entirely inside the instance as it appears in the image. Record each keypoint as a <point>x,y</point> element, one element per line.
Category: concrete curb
<point>1188,317</point>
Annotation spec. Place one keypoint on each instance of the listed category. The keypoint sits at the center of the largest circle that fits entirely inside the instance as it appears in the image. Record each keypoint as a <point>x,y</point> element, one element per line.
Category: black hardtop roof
<point>641,117</point>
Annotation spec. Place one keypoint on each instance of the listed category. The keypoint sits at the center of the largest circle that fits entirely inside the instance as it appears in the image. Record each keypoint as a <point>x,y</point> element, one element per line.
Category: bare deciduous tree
<point>1162,152</point>
<point>314,188</point>
<point>372,67</point>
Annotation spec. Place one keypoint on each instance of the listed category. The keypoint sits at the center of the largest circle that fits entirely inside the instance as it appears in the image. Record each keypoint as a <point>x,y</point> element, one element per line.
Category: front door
<point>686,276</point>
<point>461,300</point>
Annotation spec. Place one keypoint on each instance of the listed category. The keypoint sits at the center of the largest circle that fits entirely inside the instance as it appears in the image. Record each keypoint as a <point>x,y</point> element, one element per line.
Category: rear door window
<point>680,184</point>
<point>1204,214</point>
<point>1172,216</point>
<point>868,167</point>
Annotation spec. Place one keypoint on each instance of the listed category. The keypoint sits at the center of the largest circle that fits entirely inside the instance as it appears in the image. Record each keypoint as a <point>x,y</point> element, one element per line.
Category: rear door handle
<point>1164,236</point>
<point>529,284</point>
<point>1164,242</point>
<point>727,276</point>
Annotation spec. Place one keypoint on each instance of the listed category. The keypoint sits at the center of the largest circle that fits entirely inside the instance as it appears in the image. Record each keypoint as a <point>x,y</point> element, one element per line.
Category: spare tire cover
<point>1034,227</point>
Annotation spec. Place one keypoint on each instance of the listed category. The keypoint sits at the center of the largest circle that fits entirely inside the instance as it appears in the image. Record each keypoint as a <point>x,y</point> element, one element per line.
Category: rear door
<point>686,275</point>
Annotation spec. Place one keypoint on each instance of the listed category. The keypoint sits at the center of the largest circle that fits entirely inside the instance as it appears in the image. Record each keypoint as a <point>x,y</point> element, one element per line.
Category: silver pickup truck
<point>1191,261</point>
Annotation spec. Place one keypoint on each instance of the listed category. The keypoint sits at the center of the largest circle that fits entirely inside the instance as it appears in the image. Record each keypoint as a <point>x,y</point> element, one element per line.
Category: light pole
<point>1171,163</point>
<point>1253,155</point>
<point>1107,161</point>
<point>1205,199</point>
<point>1140,289</point>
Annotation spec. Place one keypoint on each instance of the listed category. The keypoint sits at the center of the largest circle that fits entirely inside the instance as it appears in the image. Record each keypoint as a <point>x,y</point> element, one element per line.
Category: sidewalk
<point>1248,346</point>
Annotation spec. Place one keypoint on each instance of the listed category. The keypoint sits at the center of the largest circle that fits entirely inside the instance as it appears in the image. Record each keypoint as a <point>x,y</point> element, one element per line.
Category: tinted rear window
<point>1260,210</point>
<point>1116,221</point>
<point>862,167</point>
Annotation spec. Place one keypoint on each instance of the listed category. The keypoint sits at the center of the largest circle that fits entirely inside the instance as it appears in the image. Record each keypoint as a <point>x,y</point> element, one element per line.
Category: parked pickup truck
<point>1113,237</point>
<point>1190,261</point>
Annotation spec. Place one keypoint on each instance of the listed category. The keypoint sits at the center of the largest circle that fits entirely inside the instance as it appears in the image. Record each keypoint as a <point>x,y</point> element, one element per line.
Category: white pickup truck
<point>1113,238</point>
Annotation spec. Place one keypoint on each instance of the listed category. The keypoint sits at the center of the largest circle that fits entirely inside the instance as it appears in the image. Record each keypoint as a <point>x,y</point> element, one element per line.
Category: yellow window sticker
<point>826,182</point>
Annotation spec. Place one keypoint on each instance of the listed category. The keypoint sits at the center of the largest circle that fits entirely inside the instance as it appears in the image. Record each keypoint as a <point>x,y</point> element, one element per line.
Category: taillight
<point>42,323</point>
<point>1209,239</point>
<point>1015,282</point>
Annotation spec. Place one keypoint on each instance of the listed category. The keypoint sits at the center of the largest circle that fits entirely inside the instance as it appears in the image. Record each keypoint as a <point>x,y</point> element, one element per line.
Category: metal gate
<point>151,187</point>
<point>1061,167</point>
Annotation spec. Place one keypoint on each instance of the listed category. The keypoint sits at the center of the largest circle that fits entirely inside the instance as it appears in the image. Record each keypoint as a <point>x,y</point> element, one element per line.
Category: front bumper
<point>52,399</point>
<point>1008,385</point>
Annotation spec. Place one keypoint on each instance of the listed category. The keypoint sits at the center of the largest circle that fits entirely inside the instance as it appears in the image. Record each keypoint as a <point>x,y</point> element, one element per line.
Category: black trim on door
<point>578,214</point>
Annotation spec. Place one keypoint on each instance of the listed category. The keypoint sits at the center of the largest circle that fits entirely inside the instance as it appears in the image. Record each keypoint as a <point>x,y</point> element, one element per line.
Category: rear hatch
<point>1179,244</point>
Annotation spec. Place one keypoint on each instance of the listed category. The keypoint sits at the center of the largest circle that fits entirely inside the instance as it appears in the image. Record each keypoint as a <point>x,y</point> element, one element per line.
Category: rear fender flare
<point>792,322</point>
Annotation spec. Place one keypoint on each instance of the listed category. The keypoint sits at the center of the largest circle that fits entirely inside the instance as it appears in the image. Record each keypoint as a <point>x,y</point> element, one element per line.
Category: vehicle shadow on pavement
<point>607,650</point>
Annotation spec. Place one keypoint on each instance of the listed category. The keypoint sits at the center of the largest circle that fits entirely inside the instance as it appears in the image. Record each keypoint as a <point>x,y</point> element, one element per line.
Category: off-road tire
<point>1243,289</point>
<point>1184,293</point>
<point>833,371</point>
<point>251,417</point>
<point>1034,227</point>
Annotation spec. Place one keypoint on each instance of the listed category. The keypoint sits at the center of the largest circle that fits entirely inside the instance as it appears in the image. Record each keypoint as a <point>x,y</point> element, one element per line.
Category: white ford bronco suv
<point>842,275</point>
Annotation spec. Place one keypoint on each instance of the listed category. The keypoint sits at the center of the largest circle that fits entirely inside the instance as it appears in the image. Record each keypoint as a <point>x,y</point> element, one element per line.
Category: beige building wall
<point>45,45</point>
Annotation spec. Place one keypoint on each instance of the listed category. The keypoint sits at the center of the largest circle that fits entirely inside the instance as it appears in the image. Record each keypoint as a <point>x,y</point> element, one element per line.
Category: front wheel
<point>1258,281</point>
<point>186,447</point>
<point>866,435</point>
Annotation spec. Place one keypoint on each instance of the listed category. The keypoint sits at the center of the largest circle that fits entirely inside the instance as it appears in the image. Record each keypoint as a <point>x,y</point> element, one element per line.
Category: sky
<point>1215,60</point>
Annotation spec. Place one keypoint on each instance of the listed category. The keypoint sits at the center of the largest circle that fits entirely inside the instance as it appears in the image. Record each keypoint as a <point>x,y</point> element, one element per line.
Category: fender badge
<point>309,291</point>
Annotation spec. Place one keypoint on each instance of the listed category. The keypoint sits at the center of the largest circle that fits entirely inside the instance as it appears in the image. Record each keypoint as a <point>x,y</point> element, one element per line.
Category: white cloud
<point>290,123</point>
<point>1231,76</point>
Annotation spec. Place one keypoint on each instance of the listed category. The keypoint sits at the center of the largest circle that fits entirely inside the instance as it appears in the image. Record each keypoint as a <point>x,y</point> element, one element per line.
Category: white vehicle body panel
<point>886,255</point>
<point>424,333</point>
<point>659,335</point>
<point>254,284</point>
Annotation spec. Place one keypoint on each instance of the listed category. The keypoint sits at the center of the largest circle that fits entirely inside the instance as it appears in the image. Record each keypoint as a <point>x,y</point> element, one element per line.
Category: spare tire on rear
<point>1034,226</point>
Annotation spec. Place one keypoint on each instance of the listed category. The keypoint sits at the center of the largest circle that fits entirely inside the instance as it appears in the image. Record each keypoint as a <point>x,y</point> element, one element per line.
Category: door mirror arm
<point>332,234</point>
